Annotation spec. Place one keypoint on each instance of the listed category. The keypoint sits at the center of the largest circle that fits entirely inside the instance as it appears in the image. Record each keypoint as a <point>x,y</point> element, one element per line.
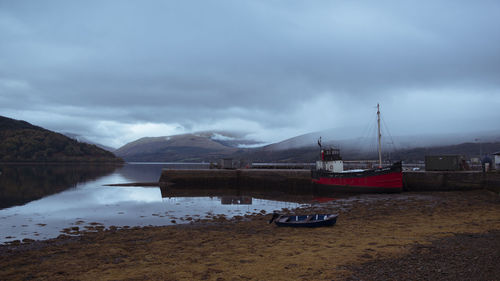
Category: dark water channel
<point>40,201</point>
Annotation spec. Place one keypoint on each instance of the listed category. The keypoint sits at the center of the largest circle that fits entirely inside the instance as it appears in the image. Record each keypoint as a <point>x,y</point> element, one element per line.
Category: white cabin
<point>331,166</point>
<point>330,161</point>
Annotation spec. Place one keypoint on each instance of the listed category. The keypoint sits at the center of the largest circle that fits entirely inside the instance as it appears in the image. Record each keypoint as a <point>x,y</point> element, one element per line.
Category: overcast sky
<point>115,71</point>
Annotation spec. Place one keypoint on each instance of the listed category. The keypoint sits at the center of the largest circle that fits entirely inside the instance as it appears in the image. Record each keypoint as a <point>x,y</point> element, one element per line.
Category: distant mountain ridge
<point>197,147</point>
<point>21,141</point>
<point>204,147</point>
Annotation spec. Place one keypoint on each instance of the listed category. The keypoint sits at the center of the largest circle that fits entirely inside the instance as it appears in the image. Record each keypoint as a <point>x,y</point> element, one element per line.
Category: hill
<point>411,155</point>
<point>410,148</point>
<point>21,141</point>
<point>468,150</point>
<point>212,147</point>
<point>205,146</point>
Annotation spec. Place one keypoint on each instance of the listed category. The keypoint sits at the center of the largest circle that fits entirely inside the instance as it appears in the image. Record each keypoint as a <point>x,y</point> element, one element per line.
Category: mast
<point>379,137</point>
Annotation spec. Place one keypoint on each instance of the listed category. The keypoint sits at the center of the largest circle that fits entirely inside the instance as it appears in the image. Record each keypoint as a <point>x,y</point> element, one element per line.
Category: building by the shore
<point>497,160</point>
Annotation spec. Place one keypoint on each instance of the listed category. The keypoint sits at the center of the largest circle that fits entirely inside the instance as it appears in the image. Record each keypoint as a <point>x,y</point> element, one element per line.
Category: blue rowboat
<point>314,220</point>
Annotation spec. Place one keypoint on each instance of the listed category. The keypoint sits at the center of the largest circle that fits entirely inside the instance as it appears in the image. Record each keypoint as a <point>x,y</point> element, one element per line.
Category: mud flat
<point>372,230</point>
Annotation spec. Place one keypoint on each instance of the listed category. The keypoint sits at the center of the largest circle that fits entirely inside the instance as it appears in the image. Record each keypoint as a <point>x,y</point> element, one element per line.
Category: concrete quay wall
<point>219,178</point>
<point>300,180</point>
<point>450,180</point>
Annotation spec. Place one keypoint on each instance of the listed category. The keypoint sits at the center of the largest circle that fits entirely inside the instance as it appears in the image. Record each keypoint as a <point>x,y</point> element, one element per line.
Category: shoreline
<point>248,248</point>
<point>20,163</point>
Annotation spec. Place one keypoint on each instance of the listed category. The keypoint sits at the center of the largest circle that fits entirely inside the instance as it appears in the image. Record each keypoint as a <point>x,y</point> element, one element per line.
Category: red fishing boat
<point>330,171</point>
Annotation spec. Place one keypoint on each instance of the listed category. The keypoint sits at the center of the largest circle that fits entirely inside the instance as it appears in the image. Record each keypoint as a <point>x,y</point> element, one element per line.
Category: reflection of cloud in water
<point>203,205</point>
<point>120,206</point>
<point>89,198</point>
<point>113,195</point>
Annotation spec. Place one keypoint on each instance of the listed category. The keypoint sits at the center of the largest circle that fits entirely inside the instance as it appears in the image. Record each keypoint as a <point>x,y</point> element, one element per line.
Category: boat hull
<point>317,220</point>
<point>388,179</point>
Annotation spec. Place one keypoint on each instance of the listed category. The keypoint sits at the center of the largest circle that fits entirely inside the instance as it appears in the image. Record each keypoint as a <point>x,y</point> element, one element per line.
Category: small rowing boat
<point>315,220</point>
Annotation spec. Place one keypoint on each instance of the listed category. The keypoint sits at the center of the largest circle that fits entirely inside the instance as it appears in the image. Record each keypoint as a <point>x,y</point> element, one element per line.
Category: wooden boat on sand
<point>314,220</point>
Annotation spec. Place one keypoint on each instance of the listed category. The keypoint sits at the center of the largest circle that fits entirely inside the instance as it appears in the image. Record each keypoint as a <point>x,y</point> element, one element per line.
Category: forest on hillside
<point>23,142</point>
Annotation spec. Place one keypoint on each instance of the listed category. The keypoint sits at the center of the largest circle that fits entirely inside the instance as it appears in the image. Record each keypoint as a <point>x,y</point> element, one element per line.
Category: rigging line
<point>389,134</point>
<point>370,140</point>
<point>373,140</point>
<point>366,134</point>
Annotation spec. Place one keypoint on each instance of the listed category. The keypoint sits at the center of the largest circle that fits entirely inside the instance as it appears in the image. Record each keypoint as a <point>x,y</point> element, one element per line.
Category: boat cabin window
<point>331,154</point>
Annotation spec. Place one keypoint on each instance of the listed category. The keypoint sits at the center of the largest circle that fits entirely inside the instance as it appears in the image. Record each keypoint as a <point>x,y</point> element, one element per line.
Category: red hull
<point>382,180</point>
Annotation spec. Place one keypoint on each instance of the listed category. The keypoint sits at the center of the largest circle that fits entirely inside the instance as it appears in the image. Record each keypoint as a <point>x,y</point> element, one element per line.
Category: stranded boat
<point>315,220</point>
<point>330,171</point>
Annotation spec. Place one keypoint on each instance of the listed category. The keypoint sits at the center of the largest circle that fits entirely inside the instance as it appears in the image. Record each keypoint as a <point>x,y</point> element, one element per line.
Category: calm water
<point>38,202</point>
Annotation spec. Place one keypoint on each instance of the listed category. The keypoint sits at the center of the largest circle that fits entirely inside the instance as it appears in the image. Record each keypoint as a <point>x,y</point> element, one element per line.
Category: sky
<point>116,71</point>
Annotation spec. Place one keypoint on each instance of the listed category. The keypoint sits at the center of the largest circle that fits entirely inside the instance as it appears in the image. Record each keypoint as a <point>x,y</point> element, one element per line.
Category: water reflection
<point>236,200</point>
<point>20,184</point>
<point>150,172</point>
<point>241,195</point>
<point>90,202</point>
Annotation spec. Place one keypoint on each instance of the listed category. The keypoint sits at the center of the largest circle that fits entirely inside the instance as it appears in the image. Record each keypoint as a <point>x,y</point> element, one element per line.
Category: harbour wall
<point>299,181</point>
<point>451,180</point>
<point>266,179</point>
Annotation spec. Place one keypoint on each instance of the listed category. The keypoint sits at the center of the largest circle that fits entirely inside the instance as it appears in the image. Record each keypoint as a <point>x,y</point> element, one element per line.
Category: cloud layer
<point>114,71</point>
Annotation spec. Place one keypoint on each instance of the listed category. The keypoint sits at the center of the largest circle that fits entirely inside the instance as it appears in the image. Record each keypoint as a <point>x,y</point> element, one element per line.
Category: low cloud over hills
<point>211,146</point>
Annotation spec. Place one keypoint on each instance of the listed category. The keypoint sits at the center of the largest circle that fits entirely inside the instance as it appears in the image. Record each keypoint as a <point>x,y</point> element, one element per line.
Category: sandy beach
<point>432,235</point>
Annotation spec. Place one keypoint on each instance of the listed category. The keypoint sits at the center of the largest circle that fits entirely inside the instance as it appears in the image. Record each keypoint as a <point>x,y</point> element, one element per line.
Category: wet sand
<point>374,231</point>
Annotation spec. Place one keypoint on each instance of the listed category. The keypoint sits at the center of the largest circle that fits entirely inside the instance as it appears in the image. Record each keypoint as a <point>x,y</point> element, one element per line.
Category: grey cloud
<point>189,62</point>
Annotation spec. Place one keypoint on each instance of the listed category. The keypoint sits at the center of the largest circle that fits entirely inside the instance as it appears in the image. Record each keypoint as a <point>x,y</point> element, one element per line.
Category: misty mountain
<point>203,146</point>
<point>209,146</point>
<point>468,150</point>
<point>366,140</point>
